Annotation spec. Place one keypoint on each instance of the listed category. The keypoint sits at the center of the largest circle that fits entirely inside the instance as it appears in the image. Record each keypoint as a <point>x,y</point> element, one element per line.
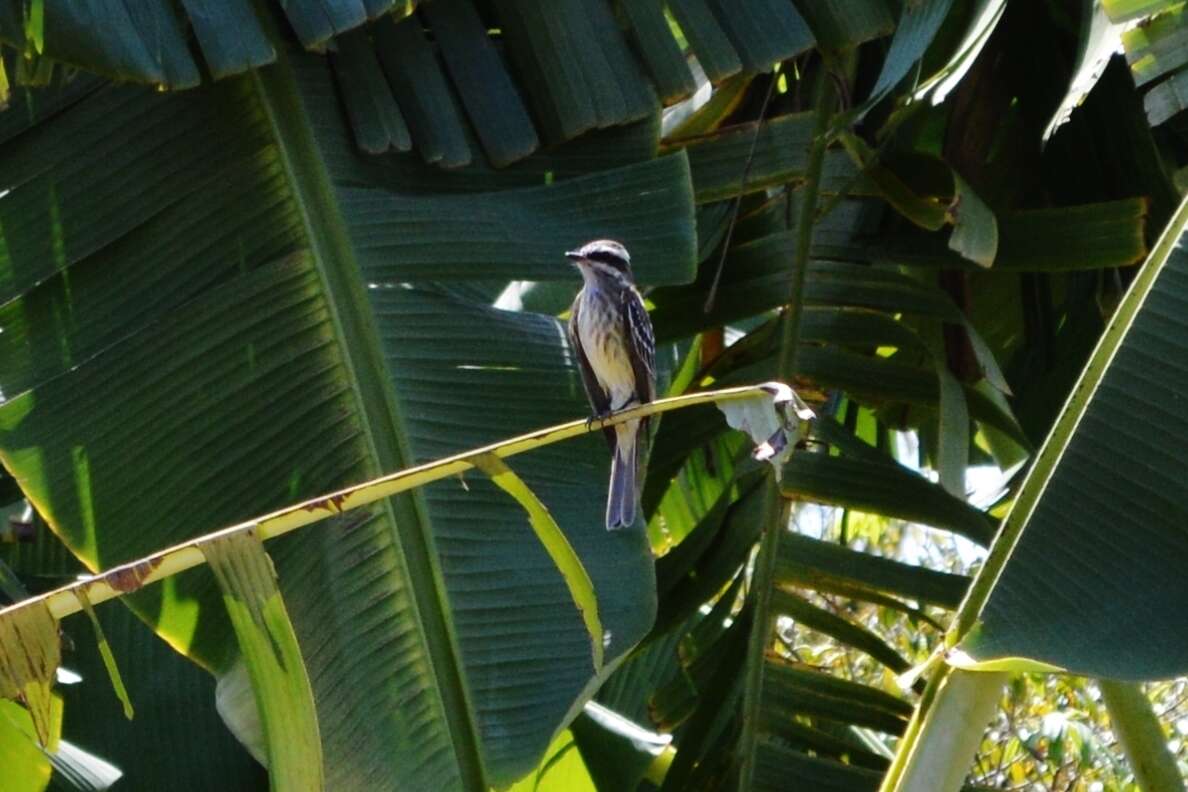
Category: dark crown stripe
<point>607,257</point>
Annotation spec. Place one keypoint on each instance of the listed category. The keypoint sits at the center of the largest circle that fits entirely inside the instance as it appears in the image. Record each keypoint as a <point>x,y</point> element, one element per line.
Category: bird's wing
<point>598,398</point>
<point>641,345</point>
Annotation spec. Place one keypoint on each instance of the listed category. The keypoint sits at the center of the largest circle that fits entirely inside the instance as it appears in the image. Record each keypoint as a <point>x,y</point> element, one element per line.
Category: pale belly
<point>607,354</point>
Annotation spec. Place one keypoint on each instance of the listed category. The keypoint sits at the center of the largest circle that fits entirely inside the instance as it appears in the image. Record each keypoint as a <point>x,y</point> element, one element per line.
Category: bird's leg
<point>602,417</point>
<point>599,417</point>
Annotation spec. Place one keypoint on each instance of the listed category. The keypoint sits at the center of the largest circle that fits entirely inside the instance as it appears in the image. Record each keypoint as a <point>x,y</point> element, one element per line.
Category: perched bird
<point>616,351</point>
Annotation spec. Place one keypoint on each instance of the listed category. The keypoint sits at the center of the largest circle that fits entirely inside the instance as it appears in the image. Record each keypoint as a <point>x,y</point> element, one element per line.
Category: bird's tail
<point>623,494</point>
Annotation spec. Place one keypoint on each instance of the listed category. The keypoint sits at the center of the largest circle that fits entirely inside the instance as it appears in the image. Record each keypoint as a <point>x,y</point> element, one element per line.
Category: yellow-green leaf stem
<point>1142,737</point>
<point>777,511</point>
<point>939,744</point>
<point>165,563</point>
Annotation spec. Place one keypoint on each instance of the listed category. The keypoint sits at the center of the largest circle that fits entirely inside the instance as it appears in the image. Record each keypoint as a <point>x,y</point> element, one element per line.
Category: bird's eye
<point>608,258</point>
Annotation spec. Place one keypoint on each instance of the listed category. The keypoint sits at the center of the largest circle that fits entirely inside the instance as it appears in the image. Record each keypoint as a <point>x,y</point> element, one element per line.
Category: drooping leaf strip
<point>280,682</point>
<point>558,547</point>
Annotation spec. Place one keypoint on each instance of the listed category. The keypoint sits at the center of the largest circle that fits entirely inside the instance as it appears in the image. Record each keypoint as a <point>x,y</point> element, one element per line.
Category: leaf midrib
<point>379,416</point>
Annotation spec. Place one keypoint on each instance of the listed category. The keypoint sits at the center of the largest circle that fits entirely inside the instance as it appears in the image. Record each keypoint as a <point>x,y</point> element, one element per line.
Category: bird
<point>612,336</point>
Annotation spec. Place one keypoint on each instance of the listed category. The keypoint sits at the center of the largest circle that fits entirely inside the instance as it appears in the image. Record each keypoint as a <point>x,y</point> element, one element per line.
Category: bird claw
<point>599,417</point>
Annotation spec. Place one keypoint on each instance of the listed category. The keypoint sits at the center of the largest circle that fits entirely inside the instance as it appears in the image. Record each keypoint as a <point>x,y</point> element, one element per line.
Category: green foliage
<point>219,301</point>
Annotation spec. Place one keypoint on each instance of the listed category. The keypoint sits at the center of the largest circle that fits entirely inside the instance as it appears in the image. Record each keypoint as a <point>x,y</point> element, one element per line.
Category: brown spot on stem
<point>130,577</point>
<point>331,503</point>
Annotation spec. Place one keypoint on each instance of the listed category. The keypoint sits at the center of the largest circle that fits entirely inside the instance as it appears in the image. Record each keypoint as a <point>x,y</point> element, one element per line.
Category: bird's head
<point>603,258</point>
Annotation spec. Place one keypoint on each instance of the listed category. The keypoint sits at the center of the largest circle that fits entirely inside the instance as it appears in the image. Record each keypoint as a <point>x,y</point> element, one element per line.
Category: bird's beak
<point>573,255</point>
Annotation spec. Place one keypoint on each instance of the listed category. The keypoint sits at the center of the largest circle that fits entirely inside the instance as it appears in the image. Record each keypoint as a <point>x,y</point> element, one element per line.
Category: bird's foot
<point>603,417</point>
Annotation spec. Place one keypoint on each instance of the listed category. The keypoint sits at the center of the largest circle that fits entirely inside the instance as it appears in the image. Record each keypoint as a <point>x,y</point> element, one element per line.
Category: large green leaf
<point>1088,572</point>
<point>191,339</point>
<point>572,60</point>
